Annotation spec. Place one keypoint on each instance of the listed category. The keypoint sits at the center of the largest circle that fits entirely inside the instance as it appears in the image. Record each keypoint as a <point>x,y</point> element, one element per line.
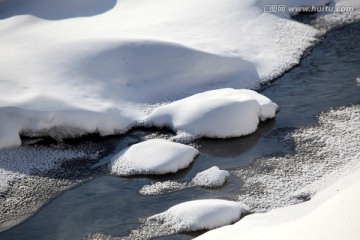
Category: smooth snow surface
<point>155,156</point>
<point>219,113</point>
<point>100,66</point>
<point>212,177</point>
<point>201,214</point>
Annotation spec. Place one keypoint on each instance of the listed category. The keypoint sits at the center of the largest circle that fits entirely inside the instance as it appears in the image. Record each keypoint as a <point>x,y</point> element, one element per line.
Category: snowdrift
<point>201,214</point>
<point>219,113</point>
<point>95,57</point>
<point>155,156</point>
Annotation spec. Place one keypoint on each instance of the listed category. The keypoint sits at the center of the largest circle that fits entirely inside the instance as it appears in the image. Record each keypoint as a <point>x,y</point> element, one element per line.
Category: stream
<point>112,205</point>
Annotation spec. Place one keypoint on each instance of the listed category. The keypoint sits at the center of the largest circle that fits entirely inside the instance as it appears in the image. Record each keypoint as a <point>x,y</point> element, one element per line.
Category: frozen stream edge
<point>325,153</point>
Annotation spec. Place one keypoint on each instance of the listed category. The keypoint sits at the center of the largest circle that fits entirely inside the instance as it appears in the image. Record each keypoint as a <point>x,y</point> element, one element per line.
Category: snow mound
<point>219,113</point>
<point>58,124</point>
<point>155,156</point>
<point>201,214</point>
<point>212,177</point>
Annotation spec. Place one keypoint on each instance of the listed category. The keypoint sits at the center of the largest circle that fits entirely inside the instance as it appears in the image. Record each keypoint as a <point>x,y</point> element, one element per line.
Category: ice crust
<point>212,177</point>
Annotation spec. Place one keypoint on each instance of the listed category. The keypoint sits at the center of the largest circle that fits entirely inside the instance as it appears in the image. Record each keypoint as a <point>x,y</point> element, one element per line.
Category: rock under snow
<point>201,214</point>
<point>155,156</point>
<point>219,113</point>
<point>212,177</point>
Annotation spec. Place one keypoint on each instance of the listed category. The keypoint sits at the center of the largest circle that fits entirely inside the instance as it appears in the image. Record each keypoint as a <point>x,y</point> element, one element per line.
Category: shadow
<point>233,147</point>
<point>149,71</point>
<point>54,9</point>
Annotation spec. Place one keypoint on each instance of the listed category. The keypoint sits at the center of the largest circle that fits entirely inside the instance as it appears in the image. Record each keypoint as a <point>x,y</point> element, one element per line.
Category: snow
<point>57,124</point>
<point>326,169</point>
<point>212,177</point>
<point>219,113</point>
<point>201,214</point>
<point>332,214</point>
<point>100,67</point>
<point>155,156</point>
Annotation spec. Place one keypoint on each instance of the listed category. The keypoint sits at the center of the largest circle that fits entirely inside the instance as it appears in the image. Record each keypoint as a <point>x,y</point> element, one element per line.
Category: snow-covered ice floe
<point>125,56</point>
<point>155,156</point>
<point>201,214</point>
<point>212,177</point>
<point>219,113</point>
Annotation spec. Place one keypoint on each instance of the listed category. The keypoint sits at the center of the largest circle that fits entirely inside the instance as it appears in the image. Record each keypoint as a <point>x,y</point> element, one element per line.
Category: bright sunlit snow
<point>212,177</point>
<point>219,113</point>
<point>155,156</point>
<point>99,67</point>
<point>201,214</point>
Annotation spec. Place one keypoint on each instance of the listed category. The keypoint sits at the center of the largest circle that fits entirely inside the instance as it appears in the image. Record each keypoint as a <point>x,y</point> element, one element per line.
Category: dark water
<point>111,205</point>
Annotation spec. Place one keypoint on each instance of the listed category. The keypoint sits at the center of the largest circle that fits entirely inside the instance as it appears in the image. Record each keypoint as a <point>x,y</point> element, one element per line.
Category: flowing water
<point>112,205</point>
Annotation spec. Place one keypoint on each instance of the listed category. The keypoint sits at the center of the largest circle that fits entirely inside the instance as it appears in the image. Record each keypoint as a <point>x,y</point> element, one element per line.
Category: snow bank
<point>58,124</point>
<point>144,56</point>
<point>326,163</point>
<point>156,156</point>
<point>332,214</point>
<point>212,177</point>
<point>219,113</point>
<point>201,214</point>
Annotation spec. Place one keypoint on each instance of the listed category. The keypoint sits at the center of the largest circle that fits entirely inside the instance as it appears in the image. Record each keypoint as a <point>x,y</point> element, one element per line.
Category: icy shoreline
<point>333,212</point>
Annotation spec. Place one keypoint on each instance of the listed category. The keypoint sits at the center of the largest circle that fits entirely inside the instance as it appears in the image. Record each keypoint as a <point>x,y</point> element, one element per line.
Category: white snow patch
<point>144,56</point>
<point>155,156</point>
<point>201,214</point>
<point>58,124</point>
<point>212,177</point>
<point>219,113</point>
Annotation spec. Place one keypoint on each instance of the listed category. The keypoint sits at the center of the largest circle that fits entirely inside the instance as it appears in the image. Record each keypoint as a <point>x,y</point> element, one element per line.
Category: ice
<point>155,156</point>
<point>212,177</point>
<point>201,214</point>
<point>219,113</point>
